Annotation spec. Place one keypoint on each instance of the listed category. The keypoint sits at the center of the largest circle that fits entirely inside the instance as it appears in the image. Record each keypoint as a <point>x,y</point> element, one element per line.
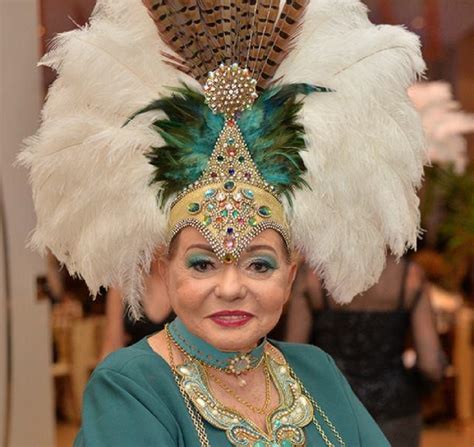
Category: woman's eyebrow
<point>252,248</point>
<point>200,246</point>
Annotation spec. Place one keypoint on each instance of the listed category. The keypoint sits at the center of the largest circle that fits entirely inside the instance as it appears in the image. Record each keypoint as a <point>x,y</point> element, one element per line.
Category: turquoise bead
<point>286,443</point>
<point>259,444</point>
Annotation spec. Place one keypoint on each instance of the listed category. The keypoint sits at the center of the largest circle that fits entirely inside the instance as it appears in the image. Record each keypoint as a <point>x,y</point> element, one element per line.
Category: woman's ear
<point>292,269</point>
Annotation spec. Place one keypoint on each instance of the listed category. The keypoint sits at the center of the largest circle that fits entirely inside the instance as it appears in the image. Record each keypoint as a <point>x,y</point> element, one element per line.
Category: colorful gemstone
<point>259,444</point>
<point>247,175</point>
<point>231,123</point>
<point>194,208</point>
<point>211,207</point>
<point>221,196</point>
<point>248,193</point>
<point>230,230</point>
<point>231,151</point>
<point>252,221</point>
<point>241,221</point>
<point>213,174</point>
<point>235,214</point>
<point>230,141</point>
<point>286,443</point>
<point>210,193</point>
<point>220,158</point>
<point>229,185</point>
<point>207,220</point>
<point>231,171</point>
<point>241,159</point>
<point>237,196</point>
<point>229,242</point>
<point>277,423</point>
<point>219,219</point>
<point>229,206</point>
<point>224,213</point>
<point>264,211</point>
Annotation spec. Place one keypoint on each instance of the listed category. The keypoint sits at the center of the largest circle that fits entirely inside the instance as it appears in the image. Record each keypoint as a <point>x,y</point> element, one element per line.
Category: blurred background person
<point>368,337</point>
<point>121,330</point>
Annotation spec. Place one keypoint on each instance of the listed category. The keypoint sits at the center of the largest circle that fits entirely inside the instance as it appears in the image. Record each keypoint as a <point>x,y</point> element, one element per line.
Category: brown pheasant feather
<point>284,37</point>
<point>205,33</point>
<point>265,18</point>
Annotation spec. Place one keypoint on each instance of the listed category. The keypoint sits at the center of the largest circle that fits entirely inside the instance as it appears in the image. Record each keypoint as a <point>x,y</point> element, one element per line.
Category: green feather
<point>190,130</point>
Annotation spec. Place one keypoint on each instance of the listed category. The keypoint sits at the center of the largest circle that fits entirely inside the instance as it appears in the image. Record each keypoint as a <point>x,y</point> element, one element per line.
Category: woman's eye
<point>260,266</point>
<point>202,265</point>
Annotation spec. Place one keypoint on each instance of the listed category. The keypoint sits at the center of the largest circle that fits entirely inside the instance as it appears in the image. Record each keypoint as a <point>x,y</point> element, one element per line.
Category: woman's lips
<point>228,318</point>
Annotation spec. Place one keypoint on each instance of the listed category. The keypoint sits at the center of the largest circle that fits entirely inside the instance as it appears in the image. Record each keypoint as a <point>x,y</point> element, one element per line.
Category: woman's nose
<point>230,285</point>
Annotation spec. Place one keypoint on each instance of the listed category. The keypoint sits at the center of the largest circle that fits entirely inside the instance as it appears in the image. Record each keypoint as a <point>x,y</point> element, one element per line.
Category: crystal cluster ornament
<point>230,89</point>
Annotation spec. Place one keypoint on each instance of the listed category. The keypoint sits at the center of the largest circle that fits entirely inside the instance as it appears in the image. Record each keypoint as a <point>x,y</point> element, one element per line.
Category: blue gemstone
<point>231,171</point>
<point>230,230</point>
<point>229,185</point>
<point>248,193</point>
<point>210,193</point>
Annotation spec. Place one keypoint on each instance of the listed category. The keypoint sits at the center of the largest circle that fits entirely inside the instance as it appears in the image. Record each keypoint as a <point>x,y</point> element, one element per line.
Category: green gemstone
<point>252,221</point>
<point>220,158</point>
<point>210,207</point>
<point>259,444</point>
<point>229,185</point>
<point>264,211</point>
<point>277,423</point>
<point>224,213</point>
<point>210,193</point>
<point>286,443</point>
<point>230,141</point>
<point>207,220</point>
<point>241,159</point>
<point>194,208</point>
<point>248,193</point>
<point>235,214</point>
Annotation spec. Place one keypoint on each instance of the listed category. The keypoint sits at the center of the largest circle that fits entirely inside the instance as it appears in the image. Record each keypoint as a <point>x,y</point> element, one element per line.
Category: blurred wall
<point>31,417</point>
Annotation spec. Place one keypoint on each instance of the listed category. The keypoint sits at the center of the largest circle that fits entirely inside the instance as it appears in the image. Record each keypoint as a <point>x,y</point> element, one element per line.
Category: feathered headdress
<point>240,116</point>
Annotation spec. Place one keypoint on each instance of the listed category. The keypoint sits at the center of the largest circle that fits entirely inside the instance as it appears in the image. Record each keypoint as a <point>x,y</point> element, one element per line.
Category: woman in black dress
<point>367,339</point>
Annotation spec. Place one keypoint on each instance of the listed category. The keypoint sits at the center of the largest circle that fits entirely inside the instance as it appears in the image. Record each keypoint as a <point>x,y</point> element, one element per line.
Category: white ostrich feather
<point>97,211</point>
<point>444,123</point>
<point>365,144</point>
<point>95,208</point>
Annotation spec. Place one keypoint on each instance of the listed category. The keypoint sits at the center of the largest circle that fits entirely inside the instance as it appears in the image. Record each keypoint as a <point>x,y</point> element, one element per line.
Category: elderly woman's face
<point>231,306</point>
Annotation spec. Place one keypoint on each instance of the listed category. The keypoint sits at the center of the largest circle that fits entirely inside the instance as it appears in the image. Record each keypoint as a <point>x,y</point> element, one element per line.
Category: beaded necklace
<point>235,363</point>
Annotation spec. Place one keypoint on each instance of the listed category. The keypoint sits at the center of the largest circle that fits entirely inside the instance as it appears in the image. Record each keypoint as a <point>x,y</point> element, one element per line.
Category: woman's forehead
<point>269,239</point>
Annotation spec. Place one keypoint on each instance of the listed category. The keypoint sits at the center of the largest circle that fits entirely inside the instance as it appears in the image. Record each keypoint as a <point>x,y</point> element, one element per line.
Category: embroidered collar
<point>232,362</point>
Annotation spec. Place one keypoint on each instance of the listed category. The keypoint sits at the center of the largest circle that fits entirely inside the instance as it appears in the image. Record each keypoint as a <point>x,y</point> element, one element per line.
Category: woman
<point>230,171</point>
<point>367,339</point>
<point>121,329</point>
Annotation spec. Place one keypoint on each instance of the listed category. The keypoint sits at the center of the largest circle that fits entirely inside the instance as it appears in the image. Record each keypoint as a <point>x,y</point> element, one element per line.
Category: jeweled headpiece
<point>239,139</point>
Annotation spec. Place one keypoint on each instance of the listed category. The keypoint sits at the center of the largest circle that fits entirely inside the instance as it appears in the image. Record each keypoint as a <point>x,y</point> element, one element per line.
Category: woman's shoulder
<point>132,359</point>
<point>305,355</point>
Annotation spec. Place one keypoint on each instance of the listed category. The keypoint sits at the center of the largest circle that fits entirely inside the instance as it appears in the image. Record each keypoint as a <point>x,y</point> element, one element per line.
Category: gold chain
<point>199,425</point>
<point>321,413</point>
<point>195,416</point>
<point>220,368</point>
<point>264,409</point>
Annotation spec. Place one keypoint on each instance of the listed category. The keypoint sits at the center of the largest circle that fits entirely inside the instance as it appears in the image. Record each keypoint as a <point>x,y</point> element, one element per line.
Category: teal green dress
<point>132,400</point>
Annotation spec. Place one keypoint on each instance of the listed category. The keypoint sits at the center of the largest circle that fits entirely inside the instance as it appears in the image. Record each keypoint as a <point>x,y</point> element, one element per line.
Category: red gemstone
<point>231,122</point>
<point>247,175</point>
<point>231,151</point>
<point>213,174</point>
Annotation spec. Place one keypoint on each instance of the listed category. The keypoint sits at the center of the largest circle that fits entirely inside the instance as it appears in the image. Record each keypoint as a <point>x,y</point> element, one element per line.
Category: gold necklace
<point>262,410</point>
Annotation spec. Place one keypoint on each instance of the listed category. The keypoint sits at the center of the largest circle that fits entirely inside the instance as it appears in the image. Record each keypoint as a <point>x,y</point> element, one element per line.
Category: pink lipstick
<point>231,318</point>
